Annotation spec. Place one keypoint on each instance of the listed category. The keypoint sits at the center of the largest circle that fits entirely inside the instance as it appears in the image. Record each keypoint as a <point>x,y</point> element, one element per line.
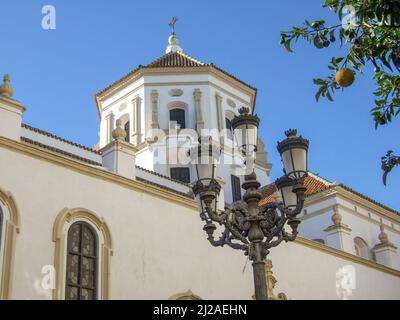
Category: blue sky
<point>56,73</point>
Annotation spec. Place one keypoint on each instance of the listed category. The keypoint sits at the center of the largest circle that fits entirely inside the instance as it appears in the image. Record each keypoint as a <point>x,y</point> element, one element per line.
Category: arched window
<point>177,116</point>
<point>81,281</point>
<point>83,249</point>
<point>1,229</point>
<point>361,248</point>
<point>127,130</point>
<point>9,228</point>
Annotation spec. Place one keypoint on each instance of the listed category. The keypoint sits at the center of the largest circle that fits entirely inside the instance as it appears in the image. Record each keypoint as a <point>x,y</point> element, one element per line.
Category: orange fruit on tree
<point>345,77</point>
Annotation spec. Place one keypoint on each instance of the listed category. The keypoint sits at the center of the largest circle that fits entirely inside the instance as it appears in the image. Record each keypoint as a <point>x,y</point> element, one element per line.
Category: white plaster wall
<point>368,228</point>
<point>119,105</point>
<point>145,159</point>
<point>364,223</point>
<point>159,246</point>
<point>10,121</point>
<point>313,228</point>
<point>305,273</point>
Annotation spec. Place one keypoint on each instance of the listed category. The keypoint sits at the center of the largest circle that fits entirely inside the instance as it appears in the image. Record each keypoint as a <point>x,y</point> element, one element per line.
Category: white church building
<point>119,221</point>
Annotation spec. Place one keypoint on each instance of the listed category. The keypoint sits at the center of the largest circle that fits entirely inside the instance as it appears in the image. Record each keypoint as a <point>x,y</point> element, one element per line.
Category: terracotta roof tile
<point>187,195</point>
<point>313,184</point>
<point>50,135</point>
<point>174,60</point>
<point>70,155</point>
<point>368,198</point>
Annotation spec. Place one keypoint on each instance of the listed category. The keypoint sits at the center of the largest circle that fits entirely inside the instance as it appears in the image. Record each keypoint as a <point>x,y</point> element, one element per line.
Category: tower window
<point>81,279</point>
<point>361,248</point>
<point>236,191</point>
<point>178,116</point>
<point>181,174</point>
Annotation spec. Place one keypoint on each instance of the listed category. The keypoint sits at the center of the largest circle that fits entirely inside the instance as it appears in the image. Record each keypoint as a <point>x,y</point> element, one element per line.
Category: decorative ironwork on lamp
<point>245,225</point>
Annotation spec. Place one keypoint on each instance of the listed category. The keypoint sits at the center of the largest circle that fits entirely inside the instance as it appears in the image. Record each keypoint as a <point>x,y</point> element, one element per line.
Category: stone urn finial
<point>383,237</point>
<point>5,88</point>
<point>119,133</point>
<point>337,217</point>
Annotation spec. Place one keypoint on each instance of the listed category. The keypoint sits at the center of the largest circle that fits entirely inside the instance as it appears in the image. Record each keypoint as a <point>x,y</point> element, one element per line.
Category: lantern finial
<point>291,133</point>
<point>244,110</point>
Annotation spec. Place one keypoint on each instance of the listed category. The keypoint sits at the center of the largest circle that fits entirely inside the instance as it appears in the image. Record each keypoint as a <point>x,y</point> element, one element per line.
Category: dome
<point>174,45</point>
<point>173,40</point>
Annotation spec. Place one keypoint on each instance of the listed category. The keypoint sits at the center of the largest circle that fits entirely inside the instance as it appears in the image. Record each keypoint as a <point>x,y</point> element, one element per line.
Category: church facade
<point>119,221</point>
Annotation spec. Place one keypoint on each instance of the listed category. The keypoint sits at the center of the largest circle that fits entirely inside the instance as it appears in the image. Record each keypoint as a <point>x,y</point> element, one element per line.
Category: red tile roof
<point>163,176</point>
<point>56,150</point>
<point>174,60</point>
<point>313,184</point>
<point>50,135</point>
<point>88,161</point>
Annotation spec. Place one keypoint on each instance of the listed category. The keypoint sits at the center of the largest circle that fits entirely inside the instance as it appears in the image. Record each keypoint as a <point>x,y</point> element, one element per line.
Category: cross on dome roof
<point>174,44</point>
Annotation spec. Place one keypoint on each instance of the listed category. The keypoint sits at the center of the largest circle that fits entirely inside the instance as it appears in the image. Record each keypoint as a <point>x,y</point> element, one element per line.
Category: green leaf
<point>319,81</point>
<point>318,94</point>
<point>329,96</point>
<point>287,46</point>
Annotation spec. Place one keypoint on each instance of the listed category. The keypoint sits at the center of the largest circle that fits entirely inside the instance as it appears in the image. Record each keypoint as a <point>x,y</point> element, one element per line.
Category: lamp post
<point>244,225</point>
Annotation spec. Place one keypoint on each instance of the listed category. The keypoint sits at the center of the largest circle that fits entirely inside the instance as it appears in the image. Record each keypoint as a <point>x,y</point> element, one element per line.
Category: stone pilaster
<point>110,120</point>
<point>135,123</point>
<point>220,116</point>
<point>199,112</point>
<point>154,110</point>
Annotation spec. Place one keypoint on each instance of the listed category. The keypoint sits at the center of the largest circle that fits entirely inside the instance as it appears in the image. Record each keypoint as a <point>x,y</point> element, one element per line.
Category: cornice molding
<point>366,204</point>
<point>346,256</point>
<point>350,196</point>
<point>174,71</point>
<point>13,104</point>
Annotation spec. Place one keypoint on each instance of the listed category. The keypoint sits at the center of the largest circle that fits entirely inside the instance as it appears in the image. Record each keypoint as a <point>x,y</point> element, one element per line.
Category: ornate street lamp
<point>244,224</point>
